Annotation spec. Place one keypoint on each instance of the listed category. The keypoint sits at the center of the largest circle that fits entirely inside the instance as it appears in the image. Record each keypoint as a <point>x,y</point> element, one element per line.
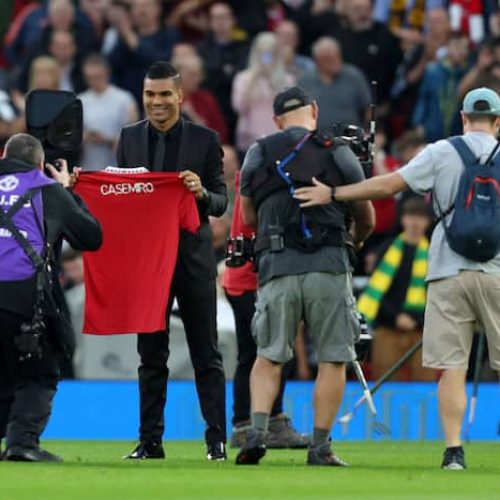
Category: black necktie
<point>159,156</point>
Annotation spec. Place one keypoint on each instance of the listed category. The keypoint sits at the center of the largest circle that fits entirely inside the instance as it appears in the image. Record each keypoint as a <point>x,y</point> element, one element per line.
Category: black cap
<point>290,99</point>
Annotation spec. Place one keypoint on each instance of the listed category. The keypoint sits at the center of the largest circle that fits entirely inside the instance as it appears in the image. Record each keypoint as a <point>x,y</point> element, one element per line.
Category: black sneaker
<point>253,450</point>
<point>454,458</point>
<point>148,450</point>
<point>323,455</point>
<point>216,452</point>
<point>281,434</point>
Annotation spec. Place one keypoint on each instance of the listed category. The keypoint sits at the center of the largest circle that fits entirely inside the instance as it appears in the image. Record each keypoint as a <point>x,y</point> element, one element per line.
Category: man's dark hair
<point>161,70</point>
<point>415,205</point>
<point>25,148</point>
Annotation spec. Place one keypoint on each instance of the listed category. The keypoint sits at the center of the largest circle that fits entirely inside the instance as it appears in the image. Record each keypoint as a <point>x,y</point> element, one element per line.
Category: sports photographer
<point>36,213</point>
<point>303,265</point>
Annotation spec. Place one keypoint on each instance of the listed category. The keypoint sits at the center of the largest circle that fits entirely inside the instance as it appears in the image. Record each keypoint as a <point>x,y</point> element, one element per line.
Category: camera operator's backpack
<point>474,231</point>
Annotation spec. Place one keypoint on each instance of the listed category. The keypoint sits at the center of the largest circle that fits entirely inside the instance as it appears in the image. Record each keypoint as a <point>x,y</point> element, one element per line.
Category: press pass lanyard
<point>280,167</point>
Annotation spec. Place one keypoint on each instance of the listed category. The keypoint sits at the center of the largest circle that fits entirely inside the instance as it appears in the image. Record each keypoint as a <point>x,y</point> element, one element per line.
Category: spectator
<point>394,300</point>
<point>223,56</point>
<point>370,46</point>
<point>198,105</point>
<point>254,89</point>
<point>106,110</point>
<point>471,17</point>
<point>62,47</point>
<point>190,18</point>
<point>96,12</point>
<point>408,146</point>
<point>486,71</point>
<point>44,74</point>
<point>437,111</point>
<point>8,11</point>
<point>10,120</point>
<point>419,51</point>
<point>297,65</point>
<point>321,17</point>
<point>74,296</point>
<point>62,17</point>
<point>182,50</point>
<point>341,90</point>
<point>407,14</point>
<point>29,24</point>
<point>142,40</point>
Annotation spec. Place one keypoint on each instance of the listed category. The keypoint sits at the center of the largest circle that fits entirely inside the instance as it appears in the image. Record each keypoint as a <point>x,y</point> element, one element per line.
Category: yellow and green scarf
<point>381,280</point>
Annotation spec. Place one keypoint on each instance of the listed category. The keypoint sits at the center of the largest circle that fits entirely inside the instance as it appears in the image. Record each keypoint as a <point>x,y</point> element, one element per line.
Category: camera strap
<point>280,167</point>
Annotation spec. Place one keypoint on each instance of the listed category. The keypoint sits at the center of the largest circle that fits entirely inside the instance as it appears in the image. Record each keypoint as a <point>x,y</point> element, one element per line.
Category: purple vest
<point>15,265</point>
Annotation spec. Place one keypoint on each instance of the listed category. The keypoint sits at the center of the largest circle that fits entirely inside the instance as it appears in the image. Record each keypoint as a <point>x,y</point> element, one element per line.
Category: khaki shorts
<point>454,307</point>
<point>326,304</point>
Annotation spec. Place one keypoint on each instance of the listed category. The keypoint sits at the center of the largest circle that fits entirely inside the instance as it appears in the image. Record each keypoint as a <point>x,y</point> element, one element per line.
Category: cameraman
<point>303,265</point>
<point>33,328</point>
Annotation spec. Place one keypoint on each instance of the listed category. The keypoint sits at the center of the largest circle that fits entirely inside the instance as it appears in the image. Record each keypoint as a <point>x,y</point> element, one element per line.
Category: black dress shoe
<point>216,452</point>
<point>146,450</point>
<point>15,454</point>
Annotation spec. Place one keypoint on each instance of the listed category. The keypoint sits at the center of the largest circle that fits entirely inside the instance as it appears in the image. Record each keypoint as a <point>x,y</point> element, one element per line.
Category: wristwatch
<point>333,189</point>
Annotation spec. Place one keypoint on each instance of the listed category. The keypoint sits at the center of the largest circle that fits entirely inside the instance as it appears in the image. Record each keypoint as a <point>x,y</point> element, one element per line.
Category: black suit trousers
<point>26,388</point>
<point>197,305</point>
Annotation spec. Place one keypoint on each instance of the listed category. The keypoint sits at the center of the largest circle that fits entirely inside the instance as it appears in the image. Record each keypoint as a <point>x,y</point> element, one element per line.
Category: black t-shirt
<point>274,210</point>
<point>375,51</point>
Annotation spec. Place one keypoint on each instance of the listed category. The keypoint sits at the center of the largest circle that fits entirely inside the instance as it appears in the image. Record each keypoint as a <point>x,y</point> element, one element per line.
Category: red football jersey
<point>237,280</point>
<point>127,281</point>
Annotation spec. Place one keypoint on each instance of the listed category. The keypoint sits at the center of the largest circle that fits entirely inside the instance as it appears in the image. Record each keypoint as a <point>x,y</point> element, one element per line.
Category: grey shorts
<point>455,308</point>
<point>326,304</point>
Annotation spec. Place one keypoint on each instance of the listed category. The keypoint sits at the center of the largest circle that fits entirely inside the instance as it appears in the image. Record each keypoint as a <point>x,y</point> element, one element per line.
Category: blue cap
<point>482,101</point>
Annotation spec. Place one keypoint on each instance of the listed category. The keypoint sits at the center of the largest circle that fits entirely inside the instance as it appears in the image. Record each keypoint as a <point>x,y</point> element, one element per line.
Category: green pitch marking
<point>379,470</point>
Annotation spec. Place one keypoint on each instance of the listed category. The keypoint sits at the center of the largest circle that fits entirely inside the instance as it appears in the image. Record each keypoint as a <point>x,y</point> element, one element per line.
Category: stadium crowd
<point>233,57</point>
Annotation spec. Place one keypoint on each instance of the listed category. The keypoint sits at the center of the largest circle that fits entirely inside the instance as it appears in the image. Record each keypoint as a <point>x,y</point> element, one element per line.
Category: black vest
<point>314,159</point>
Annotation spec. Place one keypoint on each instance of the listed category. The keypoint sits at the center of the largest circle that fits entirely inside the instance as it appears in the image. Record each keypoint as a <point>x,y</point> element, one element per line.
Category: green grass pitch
<point>389,470</point>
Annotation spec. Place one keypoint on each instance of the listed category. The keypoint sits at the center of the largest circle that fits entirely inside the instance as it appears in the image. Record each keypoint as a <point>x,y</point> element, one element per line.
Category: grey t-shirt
<point>344,100</point>
<point>438,168</point>
<point>291,261</point>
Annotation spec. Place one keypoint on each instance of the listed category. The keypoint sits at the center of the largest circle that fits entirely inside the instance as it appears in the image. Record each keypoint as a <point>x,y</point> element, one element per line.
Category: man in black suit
<point>165,142</point>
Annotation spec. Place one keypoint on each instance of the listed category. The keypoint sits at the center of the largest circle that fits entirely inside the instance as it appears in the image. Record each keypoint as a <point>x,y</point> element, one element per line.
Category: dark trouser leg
<point>6,379</point>
<point>153,376</point>
<point>198,307</point>
<point>30,412</point>
<point>244,308</point>
<point>35,384</point>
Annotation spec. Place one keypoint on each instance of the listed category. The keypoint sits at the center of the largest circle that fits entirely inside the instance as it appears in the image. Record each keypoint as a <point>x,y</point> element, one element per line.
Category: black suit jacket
<point>200,152</point>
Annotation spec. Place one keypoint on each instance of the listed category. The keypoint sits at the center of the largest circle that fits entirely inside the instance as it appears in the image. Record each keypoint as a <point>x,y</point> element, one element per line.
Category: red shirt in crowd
<point>127,281</point>
<point>207,108</point>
